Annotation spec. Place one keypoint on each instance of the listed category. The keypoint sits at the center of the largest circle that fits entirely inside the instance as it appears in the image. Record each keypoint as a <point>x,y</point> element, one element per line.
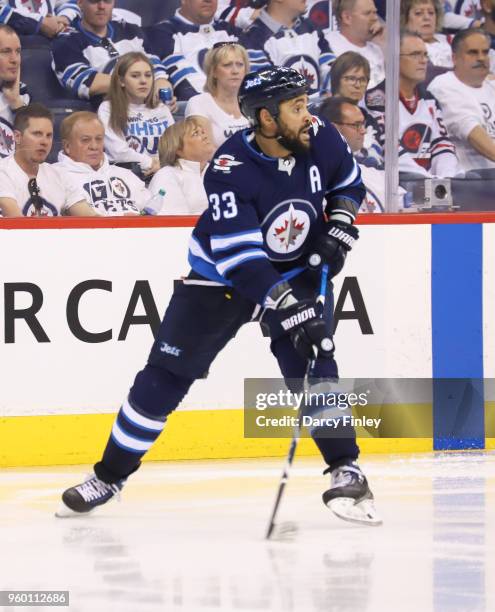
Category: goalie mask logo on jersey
<point>224,163</point>
<point>288,228</point>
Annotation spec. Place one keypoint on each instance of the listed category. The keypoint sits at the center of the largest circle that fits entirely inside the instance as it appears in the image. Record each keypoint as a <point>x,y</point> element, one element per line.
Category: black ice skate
<point>349,496</point>
<point>87,496</point>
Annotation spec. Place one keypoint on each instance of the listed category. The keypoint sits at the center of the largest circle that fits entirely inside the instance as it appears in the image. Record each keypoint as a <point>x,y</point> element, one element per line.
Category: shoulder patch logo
<point>224,163</point>
<point>316,123</point>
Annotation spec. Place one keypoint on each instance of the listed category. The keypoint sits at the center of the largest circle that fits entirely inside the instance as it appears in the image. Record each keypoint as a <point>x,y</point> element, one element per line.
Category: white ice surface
<point>188,536</point>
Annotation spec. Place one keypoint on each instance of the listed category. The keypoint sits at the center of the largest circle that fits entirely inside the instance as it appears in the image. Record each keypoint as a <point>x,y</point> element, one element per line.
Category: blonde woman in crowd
<point>225,66</point>
<point>185,150</point>
<point>133,118</point>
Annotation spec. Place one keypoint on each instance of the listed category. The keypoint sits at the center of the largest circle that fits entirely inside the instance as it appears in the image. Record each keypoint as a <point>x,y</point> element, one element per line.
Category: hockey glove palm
<point>332,248</point>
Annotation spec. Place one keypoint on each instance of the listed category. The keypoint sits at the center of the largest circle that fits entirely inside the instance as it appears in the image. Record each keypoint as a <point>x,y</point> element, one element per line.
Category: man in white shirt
<point>467,99</point>
<point>348,118</point>
<point>358,25</point>
<point>28,185</point>
<point>13,94</point>
<point>425,149</point>
<point>111,190</point>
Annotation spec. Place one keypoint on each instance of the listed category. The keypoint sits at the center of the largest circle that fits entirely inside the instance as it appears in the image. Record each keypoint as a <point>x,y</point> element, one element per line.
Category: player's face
<point>97,13</point>
<point>413,59</point>
<point>138,81</point>
<point>10,57</point>
<point>35,143</point>
<point>86,143</point>
<point>471,62</point>
<point>230,71</point>
<point>197,144</point>
<point>353,84</point>
<point>199,11</point>
<point>423,20</point>
<point>352,126</point>
<point>361,19</point>
<point>294,121</point>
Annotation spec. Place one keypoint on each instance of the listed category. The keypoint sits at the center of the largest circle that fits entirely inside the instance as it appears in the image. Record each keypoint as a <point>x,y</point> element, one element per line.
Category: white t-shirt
<point>144,128</point>
<point>111,190</point>
<point>58,192</point>
<point>371,51</point>
<point>223,124</point>
<point>184,190</point>
<point>440,52</point>
<point>464,108</point>
<point>7,144</point>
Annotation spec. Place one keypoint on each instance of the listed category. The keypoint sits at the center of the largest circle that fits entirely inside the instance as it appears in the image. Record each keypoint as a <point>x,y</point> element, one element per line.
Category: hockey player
<point>425,149</point>
<point>276,196</point>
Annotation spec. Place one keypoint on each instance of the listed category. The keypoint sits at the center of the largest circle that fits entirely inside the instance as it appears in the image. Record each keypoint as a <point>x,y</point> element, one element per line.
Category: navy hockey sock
<point>141,419</point>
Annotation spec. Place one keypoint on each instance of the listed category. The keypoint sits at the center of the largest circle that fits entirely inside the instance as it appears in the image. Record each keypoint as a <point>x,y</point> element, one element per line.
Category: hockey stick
<point>297,428</point>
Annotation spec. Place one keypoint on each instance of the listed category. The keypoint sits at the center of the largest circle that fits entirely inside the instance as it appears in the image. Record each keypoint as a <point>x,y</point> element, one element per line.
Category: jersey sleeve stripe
<point>196,250</point>
<point>173,59</point>
<point>349,179</point>
<point>226,265</point>
<point>180,75</point>
<point>223,243</point>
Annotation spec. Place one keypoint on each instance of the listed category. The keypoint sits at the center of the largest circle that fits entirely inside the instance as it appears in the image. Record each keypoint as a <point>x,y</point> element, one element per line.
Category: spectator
<point>84,57</point>
<point>283,37</point>
<point>240,13</point>
<point>28,185</point>
<point>359,24</point>
<point>133,117</point>
<point>467,98</point>
<point>182,42</point>
<point>13,94</point>
<point>25,20</point>
<point>69,11</point>
<point>425,149</point>
<point>488,11</point>
<point>348,118</point>
<point>349,78</point>
<point>225,66</point>
<point>185,150</point>
<point>462,14</point>
<point>111,190</point>
<point>425,18</point>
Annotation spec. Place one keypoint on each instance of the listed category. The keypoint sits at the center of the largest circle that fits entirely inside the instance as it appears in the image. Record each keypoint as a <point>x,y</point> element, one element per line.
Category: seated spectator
<point>239,13</point>
<point>425,149</point>
<point>462,14</point>
<point>488,12</point>
<point>182,42</point>
<point>425,18</point>
<point>69,11</point>
<point>467,99</point>
<point>348,118</point>
<point>29,186</point>
<point>36,18</point>
<point>282,36</point>
<point>13,94</point>
<point>349,78</point>
<point>359,26</point>
<point>133,117</point>
<point>84,57</point>
<point>185,150</point>
<point>225,67</point>
<point>111,190</point>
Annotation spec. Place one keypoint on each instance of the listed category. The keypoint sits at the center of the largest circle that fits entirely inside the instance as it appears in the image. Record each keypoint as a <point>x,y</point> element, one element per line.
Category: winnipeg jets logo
<point>288,231</point>
<point>224,163</point>
<point>33,6</point>
<point>286,164</point>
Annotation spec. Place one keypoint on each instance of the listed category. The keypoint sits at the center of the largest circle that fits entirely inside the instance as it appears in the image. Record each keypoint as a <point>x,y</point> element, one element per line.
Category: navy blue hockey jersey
<point>79,55</point>
<point>265,212</point>
<point>301,47</point>
<point>182,46</point>
<point>21,20</point>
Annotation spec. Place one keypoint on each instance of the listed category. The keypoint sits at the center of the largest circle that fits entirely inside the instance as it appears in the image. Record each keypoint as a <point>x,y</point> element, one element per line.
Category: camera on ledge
<point>431,194</point>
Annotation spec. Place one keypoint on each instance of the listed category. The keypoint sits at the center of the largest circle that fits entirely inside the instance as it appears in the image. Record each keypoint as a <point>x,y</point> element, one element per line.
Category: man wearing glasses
<point>29,186</point>
<point>84,58</point>
<point>425,148</point>
<point>183,41</point>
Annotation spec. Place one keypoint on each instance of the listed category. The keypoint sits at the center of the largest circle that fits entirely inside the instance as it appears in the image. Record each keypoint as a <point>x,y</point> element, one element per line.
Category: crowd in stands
<point>108,104</point>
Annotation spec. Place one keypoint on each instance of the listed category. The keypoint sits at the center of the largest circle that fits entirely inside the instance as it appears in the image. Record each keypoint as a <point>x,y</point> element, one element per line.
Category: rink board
<point>416,301</point>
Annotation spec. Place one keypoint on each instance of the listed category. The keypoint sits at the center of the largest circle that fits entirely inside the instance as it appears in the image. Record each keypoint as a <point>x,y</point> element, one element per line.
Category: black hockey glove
<point>302,321</point>
<point>332,248</point>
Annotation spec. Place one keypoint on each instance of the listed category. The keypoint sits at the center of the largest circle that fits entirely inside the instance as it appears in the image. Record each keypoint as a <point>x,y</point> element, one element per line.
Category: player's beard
<point>292,142</point>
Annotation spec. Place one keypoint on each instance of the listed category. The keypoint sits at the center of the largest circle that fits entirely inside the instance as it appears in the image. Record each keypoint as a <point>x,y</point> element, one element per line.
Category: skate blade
<point>362,513</point>
<point>65,512</point>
